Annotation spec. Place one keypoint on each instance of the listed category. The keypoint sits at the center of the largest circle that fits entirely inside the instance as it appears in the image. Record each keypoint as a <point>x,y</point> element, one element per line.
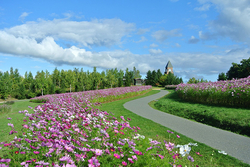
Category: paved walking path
<point>235,145</point>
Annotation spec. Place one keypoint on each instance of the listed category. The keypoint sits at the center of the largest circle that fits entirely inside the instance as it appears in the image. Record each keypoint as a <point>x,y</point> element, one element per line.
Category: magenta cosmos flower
<point>117,156</point>
<point>124,163</point>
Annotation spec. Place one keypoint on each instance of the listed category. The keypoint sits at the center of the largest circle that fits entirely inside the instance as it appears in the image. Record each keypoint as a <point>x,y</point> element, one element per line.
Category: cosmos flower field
<point>69,131</point>
<point>234,92</point>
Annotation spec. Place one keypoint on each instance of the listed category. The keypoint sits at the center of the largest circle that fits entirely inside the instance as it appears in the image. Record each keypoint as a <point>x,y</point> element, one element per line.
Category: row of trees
<point>61,81</point>
<point>156,78</point>
<point>241,70</point>
<point>193,80</point>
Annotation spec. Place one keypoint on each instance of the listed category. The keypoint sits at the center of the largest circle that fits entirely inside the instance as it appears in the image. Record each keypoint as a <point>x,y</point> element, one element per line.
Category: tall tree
<point>56,77</point>
<point>241,70</point>
<point>222,77</point>
<point>128,77</point>
<point>120,78</point>
<point>5,85</point>
<point>149,78</point>
<point>159,74</point>
<point>136,73</point>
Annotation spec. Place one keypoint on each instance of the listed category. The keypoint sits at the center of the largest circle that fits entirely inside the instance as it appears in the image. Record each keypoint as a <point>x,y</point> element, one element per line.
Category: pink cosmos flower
<point>68,148</point>
<point>5,160</point>
<point>9,124</point>
<point>161,156</point>
<point>130,160</point>
<point>36,152</point>
<point>124,163</point>
<point>176,156</point>
<point>98,152</point>
<point>117,156</point>
<point>93,162</point>
<point>169,146</point>
<point>198,153</point>
<point>134,157</point>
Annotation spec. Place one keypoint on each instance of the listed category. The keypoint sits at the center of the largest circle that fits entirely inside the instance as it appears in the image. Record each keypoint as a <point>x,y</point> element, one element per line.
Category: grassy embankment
<point>232,119</point>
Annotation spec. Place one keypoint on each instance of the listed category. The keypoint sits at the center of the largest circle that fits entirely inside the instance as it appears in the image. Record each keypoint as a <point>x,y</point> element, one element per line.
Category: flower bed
<point>68,131</point>
<point>102,95</point>
<point>170,86</point>
<point>231,93</point>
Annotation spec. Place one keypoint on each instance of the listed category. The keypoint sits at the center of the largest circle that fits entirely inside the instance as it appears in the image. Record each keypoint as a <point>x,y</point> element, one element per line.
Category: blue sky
<point>201,38</point>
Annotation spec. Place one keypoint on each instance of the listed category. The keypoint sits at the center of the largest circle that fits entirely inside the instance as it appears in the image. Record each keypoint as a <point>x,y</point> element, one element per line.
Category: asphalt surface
<point>235,145</point>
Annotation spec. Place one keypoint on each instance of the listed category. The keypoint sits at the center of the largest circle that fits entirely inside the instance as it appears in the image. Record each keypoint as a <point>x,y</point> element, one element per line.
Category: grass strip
<point>16,119</point>
<point>232,119</point>
<point>210,157</point>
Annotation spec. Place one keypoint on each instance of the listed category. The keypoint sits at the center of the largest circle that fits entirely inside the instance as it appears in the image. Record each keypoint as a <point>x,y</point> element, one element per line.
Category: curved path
<point>235,145</point>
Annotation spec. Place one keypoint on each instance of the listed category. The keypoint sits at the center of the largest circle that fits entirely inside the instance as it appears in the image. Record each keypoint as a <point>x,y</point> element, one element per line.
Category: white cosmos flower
<point>222,152</point>
<point>185,149</point>
<point>192,144</point>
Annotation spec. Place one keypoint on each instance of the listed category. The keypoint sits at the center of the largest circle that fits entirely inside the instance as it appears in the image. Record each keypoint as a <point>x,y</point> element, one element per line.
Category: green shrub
<point>5,109</point>
<point>38,100</point>
<point>10,102</point>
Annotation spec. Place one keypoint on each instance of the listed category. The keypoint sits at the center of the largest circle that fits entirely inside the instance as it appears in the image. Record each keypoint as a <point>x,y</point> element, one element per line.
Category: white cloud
<point>162,35</point>
<point>207,35</point>
<point>105,32</point>
<point>23,16</point>
<point>142,31</point>
<point>155,51</point>
<point>153,45</point>
<point>49,50</point>
<point>142,39</point>
<point>232,21</point>
<point>192,26</point>
<point>193,40</point>
<point>177,45</point>
<point>204,7</point>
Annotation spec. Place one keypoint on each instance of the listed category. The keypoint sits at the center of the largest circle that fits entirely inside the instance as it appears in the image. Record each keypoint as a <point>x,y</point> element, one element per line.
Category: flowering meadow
<point>100,96</point>
<point>69,131</point>
<point>234,92</point>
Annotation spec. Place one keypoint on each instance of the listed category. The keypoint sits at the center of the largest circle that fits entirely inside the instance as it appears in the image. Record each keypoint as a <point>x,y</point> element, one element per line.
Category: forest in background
<point>12,84</point>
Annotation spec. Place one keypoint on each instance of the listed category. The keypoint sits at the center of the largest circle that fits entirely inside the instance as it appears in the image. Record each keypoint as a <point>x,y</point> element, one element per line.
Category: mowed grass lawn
<point>210,157</point>
<point>236,120</point>
<point>16,119</point>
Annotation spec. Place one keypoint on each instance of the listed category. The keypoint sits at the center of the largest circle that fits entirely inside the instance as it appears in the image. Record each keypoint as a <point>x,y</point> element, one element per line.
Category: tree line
<point>156,78</point>
<point>12,84</point>
<point>236,71</point>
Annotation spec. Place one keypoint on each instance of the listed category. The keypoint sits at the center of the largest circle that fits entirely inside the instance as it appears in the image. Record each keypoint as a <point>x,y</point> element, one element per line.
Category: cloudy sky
<point>201,38</point>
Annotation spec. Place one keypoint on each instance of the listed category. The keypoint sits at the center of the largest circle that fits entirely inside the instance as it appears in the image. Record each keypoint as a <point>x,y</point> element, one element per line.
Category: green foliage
<point>222,77</point>
<point>9,102</point>
<point>21,91</point>
<point>156,78</point>
<point>149,78</point>
<point>136,73</point>
<point>128,77</point>
<point>193,80</point>
<point>5,109</point>
<point>52,89</point>
<point>38,100</point>
<point>241,70</point>
<point>5,85</point>
<point>12,84</point>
